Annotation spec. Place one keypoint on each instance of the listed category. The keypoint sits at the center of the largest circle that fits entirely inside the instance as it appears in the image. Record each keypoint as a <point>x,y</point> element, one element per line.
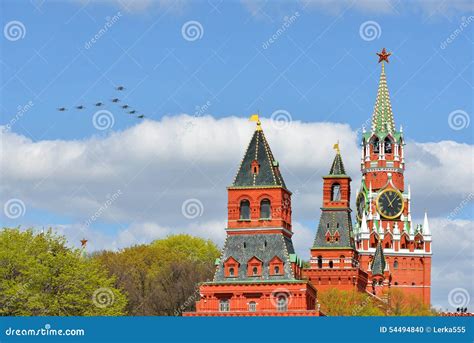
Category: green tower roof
<point>382,118</point>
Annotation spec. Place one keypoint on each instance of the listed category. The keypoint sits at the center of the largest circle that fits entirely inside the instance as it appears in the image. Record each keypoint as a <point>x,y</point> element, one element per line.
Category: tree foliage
<point>162,278</point>
<point>335,302</point>
<point>402,304</point>
<point>41,276</point>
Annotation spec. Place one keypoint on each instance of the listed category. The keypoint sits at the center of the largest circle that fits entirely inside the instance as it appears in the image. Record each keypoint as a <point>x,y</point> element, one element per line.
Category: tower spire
<point>378,263</point>
<point>382,118</point>
<point>258,167</point>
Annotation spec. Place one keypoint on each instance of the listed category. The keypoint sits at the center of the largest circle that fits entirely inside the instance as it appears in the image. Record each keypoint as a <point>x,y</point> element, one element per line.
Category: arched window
<point>395,264</point>
<point>388,145</point>
<point>252,306</point>
<point>231,271</point>
<point>331,264</point>
<point>265,209</point>
<point>255,271</point>
<point>336,192</point>
<point>245,209</point>
<point>276,270</point>
<point>320,262</point>
<point>224,305</point>
<point>282,303</point>
<point>375,146</point>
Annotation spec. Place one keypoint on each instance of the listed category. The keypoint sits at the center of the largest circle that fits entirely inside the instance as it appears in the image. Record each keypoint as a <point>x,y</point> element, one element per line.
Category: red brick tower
<point>334,259</point>
<point>258,273</point>
<point>383,204</point>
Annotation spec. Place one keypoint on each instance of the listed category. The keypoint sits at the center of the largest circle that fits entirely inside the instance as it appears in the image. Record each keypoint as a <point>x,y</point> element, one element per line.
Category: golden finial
<point>255,117</point>
<point>336,147</point>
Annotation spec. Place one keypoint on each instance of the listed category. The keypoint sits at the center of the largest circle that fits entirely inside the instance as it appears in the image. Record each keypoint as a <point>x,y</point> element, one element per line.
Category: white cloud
<point>452,265</point>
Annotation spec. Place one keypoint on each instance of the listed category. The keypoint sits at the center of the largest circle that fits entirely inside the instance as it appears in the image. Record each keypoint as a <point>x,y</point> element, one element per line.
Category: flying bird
<point>125,106</point>
<point>99,104</point>
<point>141,116</point>
<point>132,112</point>
<point>115,100</point>
<point>120,88</point>
<point>62,109</point>
<point>80,107</point>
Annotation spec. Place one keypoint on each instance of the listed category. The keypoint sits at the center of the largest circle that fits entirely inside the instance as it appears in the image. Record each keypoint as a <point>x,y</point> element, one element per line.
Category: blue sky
<point>320,69</point>
<point>320,74</point>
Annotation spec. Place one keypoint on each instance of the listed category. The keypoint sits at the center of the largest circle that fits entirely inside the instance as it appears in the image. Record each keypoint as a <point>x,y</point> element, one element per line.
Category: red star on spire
<point>83,242</point>
<point>383,55</point>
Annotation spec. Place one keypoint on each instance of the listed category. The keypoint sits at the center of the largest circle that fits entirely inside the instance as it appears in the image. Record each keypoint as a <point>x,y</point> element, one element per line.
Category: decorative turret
<point>335,225</point>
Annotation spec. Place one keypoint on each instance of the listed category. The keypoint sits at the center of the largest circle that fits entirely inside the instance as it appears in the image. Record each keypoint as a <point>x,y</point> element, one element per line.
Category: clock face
<point>360,204</point>
<point>390,203</point>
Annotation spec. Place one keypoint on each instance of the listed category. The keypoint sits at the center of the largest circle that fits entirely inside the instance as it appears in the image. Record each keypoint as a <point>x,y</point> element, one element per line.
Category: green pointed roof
<point>268,174</point>
<point>382,118</point>
<point>378,264</point>
<point>337,167</point>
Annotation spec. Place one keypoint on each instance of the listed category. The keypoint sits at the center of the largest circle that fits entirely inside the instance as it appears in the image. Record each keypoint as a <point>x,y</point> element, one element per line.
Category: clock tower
<point>383,204</point>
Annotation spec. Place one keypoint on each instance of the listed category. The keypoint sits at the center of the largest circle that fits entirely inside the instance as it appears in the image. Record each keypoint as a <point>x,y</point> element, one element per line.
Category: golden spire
<point>336,147</point>
<point>255,117</point>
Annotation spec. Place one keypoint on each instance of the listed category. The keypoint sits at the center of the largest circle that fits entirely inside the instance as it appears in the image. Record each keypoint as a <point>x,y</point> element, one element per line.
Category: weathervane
<point>336,147</point>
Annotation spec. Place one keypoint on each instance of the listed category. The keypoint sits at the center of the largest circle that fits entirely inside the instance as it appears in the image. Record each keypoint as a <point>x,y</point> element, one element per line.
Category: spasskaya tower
<point>383,205</point>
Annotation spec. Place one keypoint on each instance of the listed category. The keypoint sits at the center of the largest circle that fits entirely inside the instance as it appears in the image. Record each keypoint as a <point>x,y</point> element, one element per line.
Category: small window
<point>320,262</point>
<point>276,270</point>
<point>245,209</point>
<point>252,306</point>
<point>396,283</point>
<point>375,146</point>
<point>395,265</point>
<point>231,271</point>
<point>265,209</point>
<point>254,271</point>
<point>331,264</point>
<point>388,146</point>
<point>282,303</point>
<point>224,305</point>
<point>336,192</point>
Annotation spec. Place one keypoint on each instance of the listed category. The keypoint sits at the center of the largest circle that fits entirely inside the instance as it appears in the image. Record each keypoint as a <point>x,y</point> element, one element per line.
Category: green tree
<point>41,276</point>
<point>162,278</point>
<point>402,304</point>
<point>335,302</point>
